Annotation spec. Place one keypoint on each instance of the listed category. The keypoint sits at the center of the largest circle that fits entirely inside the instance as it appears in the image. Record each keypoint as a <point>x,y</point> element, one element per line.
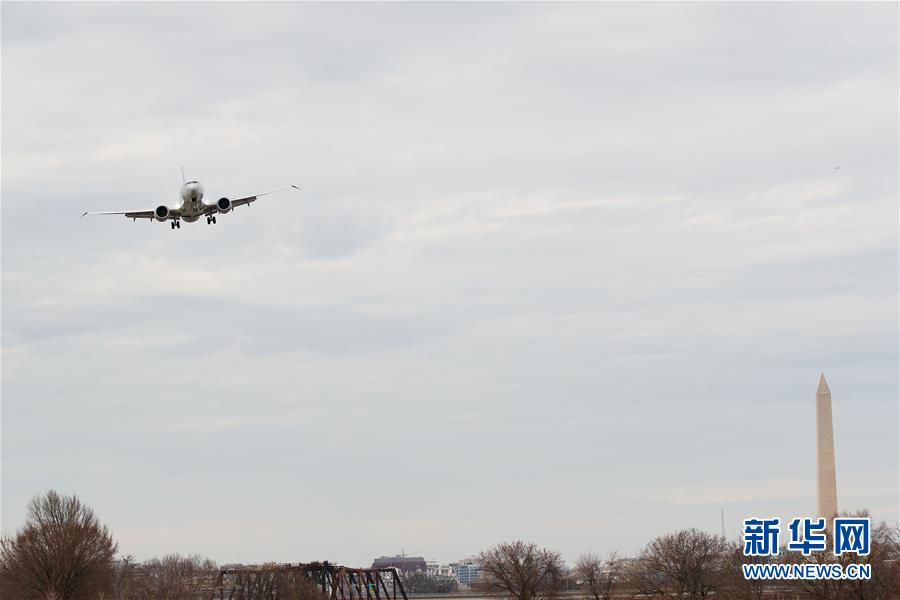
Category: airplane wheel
<point>178,224</point>
<point>214,219</point>
<point>208,220</point>
<point>173,224</point>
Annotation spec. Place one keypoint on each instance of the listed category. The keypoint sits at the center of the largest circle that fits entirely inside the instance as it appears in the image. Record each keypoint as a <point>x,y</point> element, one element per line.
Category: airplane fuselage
<point>191,206</point>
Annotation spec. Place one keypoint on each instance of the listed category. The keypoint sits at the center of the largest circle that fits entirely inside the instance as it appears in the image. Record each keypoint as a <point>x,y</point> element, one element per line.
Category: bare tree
<point>884,559</point>
<point>684,564</point>
<point>173,577</point>
<point>62,553</point>
<point>271,582</point>
<point>125,569</point>
<point>418,582</point>
<point>597,577</point>
<point>522,570</point>
<point>732,584</point>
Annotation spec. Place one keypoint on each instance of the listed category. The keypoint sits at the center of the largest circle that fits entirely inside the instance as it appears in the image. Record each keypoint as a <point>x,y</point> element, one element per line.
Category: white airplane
<point>191,207</point>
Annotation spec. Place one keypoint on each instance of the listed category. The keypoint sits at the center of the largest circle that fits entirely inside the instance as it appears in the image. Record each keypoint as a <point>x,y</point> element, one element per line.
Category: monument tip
<point>823,385</point>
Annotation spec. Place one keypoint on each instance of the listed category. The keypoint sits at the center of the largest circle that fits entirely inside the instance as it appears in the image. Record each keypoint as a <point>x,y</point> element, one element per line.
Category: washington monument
<point>826,486</point>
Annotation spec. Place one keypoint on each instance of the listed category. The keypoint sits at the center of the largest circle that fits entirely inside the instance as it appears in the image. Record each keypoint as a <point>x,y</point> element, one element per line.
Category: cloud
<point>593,256</point>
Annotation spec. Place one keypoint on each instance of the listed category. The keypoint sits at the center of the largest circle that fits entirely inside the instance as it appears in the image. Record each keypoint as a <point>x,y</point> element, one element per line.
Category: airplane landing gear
<point>176,224</point>
<point>210,220</point>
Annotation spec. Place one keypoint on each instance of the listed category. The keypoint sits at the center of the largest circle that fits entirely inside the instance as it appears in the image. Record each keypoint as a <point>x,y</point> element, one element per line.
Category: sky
<point>565,273</point>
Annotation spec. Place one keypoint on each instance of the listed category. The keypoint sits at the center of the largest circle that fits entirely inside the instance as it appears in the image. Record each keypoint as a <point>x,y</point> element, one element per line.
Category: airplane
<point>191,207</point>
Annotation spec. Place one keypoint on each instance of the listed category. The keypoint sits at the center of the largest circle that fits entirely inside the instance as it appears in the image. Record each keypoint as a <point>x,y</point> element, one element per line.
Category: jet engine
<point>161,213</point>
<point>224,205</point>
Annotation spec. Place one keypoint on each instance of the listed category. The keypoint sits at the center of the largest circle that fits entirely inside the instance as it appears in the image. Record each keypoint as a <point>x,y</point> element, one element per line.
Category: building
<point>467,571</point>
<point>436,569</point>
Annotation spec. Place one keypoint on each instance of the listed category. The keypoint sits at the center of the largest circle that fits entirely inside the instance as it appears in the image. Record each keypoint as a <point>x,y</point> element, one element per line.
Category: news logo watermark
<point>850,535</point>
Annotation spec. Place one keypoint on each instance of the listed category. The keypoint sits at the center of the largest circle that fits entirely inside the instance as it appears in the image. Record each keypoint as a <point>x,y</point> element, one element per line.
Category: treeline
<point>63,552</point>
<point>685,564</point>
<point>425,583</point>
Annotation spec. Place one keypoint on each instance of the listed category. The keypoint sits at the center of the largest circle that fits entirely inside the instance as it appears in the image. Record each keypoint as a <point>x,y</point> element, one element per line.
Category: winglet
<point>294,186</point>
<point>82,216</point>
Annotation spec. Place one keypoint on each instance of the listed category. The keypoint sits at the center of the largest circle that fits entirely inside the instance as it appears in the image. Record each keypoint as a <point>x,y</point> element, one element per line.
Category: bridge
<point>288,581</point>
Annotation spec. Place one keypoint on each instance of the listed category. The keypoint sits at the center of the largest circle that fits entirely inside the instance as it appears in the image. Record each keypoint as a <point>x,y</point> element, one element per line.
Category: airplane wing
<point>249,199</point>
<point>131,214</point>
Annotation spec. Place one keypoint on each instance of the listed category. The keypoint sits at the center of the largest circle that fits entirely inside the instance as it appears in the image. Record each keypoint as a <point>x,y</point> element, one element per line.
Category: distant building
<point>438,570</point>
<point>467,571</point>
<point>406,564</point>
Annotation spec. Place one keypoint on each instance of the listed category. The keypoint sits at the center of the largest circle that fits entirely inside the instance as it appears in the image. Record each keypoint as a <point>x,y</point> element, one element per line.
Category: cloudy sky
<point>566,273</point>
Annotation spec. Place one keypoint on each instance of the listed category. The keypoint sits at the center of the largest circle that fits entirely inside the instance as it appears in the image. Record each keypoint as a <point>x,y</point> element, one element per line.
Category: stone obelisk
<point>826,485</point>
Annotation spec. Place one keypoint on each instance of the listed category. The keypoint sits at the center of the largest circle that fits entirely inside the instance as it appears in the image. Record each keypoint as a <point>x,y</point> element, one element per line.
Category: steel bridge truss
<point>335,581</point>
